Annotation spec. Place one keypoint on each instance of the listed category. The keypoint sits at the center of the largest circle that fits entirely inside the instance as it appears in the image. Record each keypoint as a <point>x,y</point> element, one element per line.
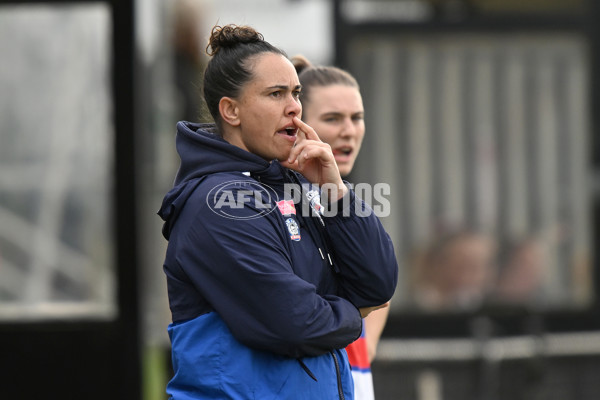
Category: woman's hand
<point>314,159</point>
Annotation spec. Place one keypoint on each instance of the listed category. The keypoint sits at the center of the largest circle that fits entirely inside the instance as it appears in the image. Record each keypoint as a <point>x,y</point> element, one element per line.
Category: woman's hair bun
<point>301,63</point>
<point>230,36</point>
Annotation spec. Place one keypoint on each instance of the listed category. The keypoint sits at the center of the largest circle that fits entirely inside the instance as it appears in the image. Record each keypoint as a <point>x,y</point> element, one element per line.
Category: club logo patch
<point>293,229</point>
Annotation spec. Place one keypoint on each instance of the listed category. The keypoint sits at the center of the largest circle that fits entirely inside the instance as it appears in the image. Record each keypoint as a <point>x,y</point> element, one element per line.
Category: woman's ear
<point>229,111</point>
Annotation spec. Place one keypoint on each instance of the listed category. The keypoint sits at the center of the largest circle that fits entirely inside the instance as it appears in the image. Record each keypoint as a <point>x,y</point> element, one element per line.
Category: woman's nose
<point>348,129</point>
<point>294,107</point>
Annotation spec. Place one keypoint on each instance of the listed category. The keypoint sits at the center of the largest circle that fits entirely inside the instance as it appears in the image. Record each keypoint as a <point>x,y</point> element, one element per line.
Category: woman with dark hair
<point>265,288</point>
<point>333,107</point>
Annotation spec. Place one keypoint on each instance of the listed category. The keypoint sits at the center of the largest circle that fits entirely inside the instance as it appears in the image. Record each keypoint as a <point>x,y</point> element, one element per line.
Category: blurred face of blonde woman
<point>336,113</point>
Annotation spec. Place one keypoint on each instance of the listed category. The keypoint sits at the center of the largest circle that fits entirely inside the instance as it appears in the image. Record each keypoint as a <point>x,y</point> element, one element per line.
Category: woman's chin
<point>345,169</point>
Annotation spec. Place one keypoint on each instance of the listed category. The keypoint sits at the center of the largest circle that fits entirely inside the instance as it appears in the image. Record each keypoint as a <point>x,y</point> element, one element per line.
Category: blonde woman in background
<point>333,107</point>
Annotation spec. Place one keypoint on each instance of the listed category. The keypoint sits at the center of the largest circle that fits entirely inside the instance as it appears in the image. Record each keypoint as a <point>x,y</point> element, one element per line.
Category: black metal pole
<point>125,207</point>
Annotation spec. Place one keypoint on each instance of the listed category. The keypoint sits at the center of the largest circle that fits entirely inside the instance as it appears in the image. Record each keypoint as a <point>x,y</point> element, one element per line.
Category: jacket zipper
<point>317,236</point>
<point>339,376</point>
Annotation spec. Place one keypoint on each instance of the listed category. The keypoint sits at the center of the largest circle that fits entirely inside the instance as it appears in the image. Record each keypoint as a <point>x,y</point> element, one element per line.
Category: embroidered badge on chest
<point>286,207</point>
<point>293,229</point>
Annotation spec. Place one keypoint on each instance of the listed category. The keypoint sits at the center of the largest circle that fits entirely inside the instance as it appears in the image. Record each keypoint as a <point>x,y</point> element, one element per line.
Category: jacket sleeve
<point>363,252</point>
<point>243,269</point>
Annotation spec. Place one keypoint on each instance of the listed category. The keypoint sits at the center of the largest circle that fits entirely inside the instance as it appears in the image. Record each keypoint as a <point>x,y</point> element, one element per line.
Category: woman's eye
<point>296,94</point>
<point>276,94</point>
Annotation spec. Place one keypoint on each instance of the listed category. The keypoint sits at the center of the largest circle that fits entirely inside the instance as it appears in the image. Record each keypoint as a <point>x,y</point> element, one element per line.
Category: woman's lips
<point>288,130</point>
<point>289,133</point>
<point>342,154</point>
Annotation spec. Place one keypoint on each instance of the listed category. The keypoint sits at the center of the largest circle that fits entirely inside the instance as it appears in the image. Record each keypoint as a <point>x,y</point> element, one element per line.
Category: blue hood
<point>203,152</point>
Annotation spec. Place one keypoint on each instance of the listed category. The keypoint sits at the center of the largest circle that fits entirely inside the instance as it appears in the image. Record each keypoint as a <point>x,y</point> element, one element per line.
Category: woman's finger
<point>308,132</point>
<point>307,145</point>
<point>304,135</point>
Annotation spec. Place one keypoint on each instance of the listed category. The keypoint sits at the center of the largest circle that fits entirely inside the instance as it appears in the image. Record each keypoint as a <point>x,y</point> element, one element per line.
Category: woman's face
<point>266,108</point>
<point>336,113</point>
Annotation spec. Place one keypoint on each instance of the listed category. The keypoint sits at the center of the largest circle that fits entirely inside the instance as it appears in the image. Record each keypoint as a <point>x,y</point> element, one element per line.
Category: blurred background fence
<point>486,132</point>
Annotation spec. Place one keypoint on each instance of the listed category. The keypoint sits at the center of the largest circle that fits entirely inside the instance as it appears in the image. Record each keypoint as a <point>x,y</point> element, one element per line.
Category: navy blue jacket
<point>258,281</point>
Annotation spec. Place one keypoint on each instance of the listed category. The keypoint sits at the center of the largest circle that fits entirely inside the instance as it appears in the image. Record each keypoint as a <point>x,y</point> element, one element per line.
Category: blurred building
<point>479,116</point>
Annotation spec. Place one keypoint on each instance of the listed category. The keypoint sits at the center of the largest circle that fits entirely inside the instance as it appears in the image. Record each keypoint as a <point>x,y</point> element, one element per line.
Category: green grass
<point>154,373</point>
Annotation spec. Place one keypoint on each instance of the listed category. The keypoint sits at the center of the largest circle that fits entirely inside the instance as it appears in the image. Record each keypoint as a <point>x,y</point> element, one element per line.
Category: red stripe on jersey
<point>358,354</point>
